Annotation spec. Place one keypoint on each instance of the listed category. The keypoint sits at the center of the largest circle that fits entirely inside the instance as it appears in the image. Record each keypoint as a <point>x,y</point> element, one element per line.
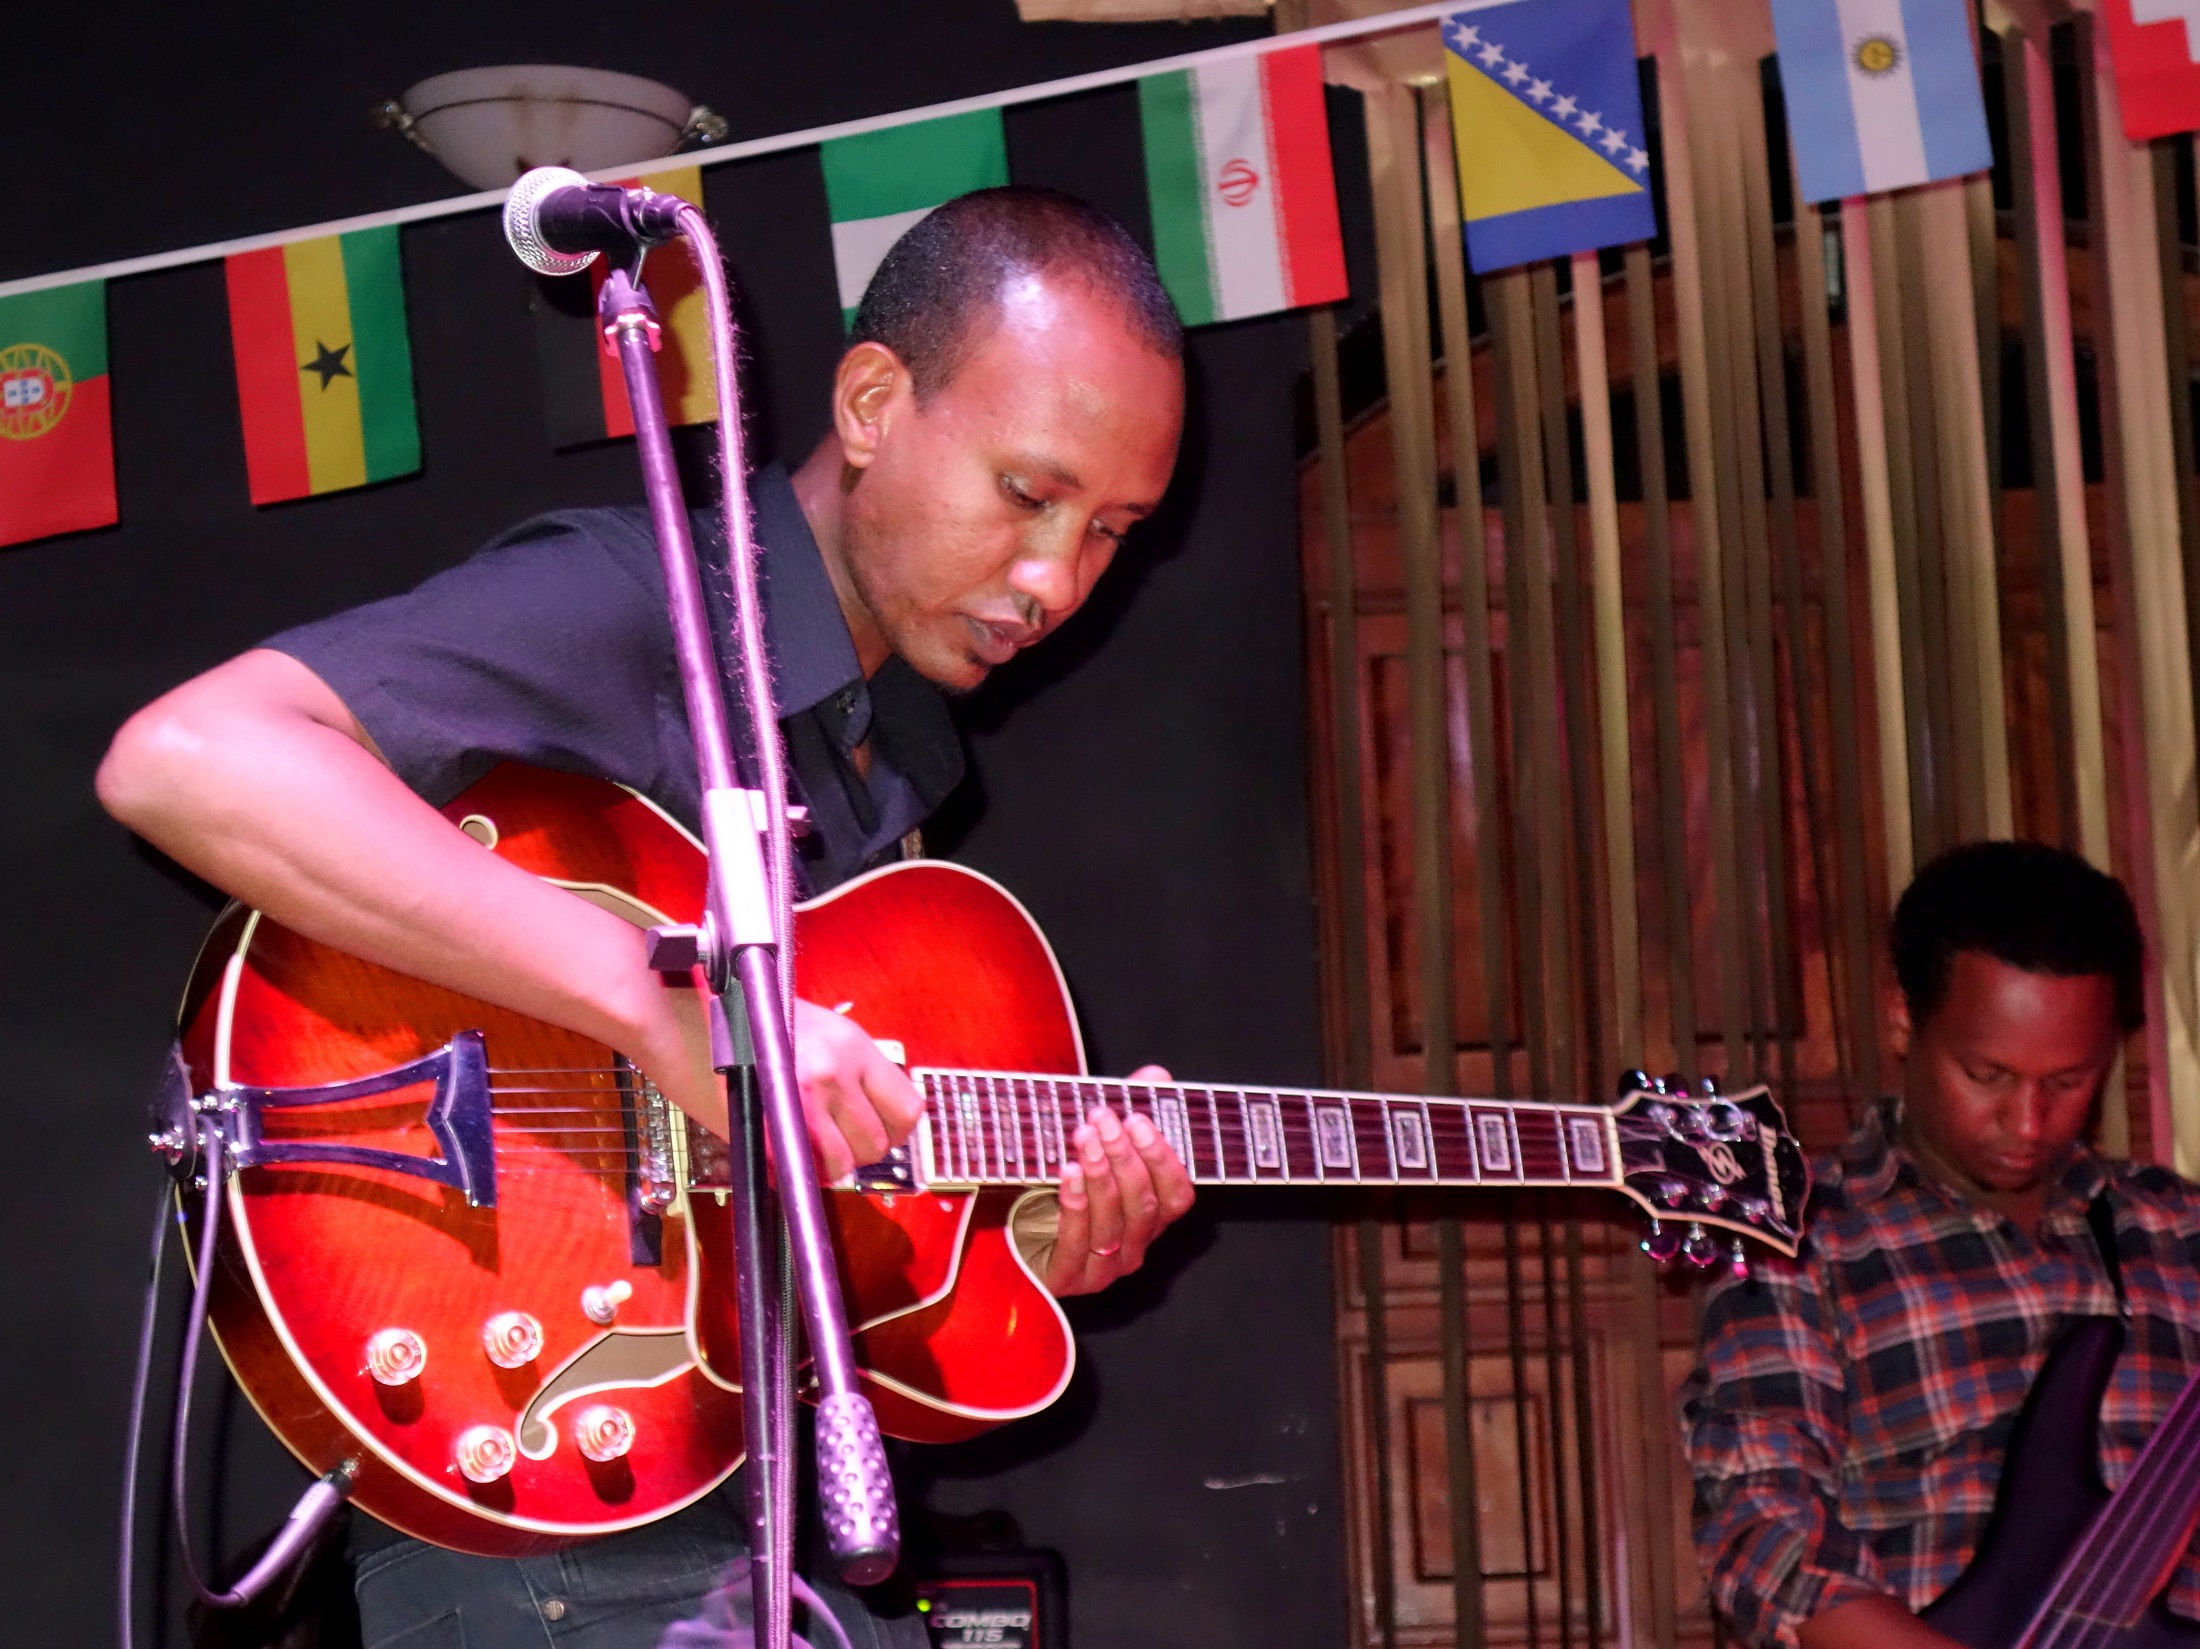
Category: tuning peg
<point>1737,1261</point>
<point>1661,1245</point>
<point>1697,1248</point>
<point>1673,1083</point>
<point>1710,1087</point>
<point>1634,1082</point>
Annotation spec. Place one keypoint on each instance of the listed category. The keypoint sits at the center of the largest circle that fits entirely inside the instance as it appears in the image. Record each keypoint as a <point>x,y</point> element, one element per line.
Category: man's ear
<point>868,389</point>
<point>1895,1009</point>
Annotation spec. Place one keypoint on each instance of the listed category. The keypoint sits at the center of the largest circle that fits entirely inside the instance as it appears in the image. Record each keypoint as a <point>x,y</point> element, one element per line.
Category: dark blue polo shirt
<point>551,646</point>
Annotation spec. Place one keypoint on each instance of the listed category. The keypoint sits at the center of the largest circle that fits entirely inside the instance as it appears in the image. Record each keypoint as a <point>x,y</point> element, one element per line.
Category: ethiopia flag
<point>1237,175</point>
<point>1546,118</point>
<point>324,366</point>
<point>880,183</point>
<point>57,450</point>
<point>583,385</point>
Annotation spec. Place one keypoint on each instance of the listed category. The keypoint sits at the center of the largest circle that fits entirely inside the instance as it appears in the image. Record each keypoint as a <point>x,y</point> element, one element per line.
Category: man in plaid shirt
<point>1847,1422</point>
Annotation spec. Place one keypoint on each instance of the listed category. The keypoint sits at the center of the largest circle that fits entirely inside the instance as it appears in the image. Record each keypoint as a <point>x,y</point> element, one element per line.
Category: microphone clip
<point>625,303</point>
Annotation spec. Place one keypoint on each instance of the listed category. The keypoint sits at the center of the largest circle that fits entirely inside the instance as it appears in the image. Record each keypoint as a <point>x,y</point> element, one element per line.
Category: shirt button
<point>554,1609</point>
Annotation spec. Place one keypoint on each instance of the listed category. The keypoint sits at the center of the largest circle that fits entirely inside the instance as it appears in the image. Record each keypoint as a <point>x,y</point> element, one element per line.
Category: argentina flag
<point>1881,94</point>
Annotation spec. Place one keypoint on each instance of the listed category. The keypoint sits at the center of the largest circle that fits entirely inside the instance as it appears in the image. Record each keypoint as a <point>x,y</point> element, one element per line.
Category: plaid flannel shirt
<point>1846,1423</point>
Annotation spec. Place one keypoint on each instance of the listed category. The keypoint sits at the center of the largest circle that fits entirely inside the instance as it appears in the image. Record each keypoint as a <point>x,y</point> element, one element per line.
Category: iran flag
<point>1237,174</point>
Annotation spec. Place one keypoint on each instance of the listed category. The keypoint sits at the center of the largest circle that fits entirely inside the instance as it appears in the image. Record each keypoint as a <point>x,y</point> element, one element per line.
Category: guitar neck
<point>998,1128</point>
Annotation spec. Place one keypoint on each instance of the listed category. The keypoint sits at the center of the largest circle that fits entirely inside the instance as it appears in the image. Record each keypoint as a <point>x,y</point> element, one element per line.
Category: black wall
<point>1140,781</point>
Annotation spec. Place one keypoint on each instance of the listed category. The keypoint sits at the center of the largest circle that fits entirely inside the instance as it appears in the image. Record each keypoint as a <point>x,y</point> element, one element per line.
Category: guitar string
<point>2081,1610</point>
<point>2086,1610</point>
<point>2162,1507</point>
<point>1034,1101</point>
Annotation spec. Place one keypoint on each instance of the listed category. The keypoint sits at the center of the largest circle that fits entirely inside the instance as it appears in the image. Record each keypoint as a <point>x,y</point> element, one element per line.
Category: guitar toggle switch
<point>603,1433</point>
<point>396,1356</point>
<point>512,1339</point>
<point>600,1302</point>
<point>485,1453</point>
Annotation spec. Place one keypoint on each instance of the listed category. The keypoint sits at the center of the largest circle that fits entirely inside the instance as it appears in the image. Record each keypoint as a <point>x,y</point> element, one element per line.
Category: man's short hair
<point>936,293</point>
<point>2032,906</point>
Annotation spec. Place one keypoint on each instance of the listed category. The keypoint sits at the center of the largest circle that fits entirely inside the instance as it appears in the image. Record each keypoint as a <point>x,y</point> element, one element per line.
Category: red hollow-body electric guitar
<point>484,1261</point>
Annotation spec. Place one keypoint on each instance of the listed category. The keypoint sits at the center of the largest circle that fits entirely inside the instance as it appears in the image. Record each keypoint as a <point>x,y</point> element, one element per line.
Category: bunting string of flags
<point>1554,158</point>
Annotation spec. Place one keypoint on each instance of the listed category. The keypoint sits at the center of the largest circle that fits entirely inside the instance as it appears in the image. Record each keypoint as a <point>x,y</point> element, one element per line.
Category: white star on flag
<point>1614,140</point>
<point>1590,123</point>
<point>1491,55</point>
<point>1564,109</point>
<point>1517,73</point>
<point>1637,159</point>
<point>1540,91</point>
<point>1466,34</point>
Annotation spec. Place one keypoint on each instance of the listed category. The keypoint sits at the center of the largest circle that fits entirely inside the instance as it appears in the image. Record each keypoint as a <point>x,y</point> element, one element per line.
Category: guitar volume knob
<point>485,1453</point>
<point>512,1339</point>
<point>395,1356</point>
<point>603,1433</point>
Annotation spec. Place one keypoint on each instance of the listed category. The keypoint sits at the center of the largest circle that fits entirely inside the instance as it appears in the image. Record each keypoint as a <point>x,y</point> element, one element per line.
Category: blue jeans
<point>621,1592</point>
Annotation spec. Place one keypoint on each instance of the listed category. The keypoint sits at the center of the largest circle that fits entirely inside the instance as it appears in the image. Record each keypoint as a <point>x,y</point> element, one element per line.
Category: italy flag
<point>1238,179</point>
<point>324,365</point>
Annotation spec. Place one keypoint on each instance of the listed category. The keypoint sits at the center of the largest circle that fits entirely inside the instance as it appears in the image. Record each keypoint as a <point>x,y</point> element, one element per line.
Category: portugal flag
<point>324,366</point>
<point>583,385</point>
<point>57,451</point>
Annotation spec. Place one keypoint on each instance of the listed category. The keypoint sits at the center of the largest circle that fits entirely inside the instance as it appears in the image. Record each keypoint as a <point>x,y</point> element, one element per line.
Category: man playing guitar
<point>1848,1422</point>
<point>1008,408</point>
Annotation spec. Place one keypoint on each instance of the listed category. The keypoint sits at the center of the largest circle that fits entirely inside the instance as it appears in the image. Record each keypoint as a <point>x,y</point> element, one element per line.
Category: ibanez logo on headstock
<point>1711,1160</point>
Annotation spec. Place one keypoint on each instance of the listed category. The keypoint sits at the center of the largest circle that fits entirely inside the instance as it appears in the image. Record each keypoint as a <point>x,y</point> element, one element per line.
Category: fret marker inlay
<point>1267,1132</point>
<point>1333,1136</point>
<point>1408,1140</point>
<point>1496,1142</point>
<point>1169,1116</point>
<point>1585,1138</point>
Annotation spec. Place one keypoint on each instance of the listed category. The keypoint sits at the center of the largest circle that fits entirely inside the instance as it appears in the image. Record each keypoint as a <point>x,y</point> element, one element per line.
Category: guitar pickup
<point>895,1171</point>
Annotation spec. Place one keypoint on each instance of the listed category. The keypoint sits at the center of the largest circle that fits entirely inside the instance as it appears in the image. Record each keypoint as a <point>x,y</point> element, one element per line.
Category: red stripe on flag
<point>63,480</point>
<point>267,376</point>
<point>2157,81</point>
<point>618,416</point>
<point>1306,191</point>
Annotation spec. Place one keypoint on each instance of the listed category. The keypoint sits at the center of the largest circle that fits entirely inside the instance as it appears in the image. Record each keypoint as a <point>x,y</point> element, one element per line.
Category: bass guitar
<point>2064,1564</point>
<point>484,1261</point>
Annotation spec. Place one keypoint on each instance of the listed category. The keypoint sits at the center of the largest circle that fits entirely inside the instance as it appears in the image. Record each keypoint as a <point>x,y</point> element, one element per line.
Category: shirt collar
<point>1874,1162</point>
<point>812,654</point>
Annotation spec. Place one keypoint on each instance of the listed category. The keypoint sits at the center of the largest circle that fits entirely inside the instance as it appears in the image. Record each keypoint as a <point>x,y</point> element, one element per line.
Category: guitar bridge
<point>457,1117</point>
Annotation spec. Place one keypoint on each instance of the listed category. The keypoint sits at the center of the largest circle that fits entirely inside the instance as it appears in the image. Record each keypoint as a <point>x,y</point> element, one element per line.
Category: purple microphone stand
<point>745,946</point>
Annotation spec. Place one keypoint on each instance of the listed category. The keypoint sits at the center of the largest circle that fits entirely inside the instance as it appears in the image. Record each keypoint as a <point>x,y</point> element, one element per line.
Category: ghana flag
<point>57,450</point>
<point>583,385</point>
<point>324,366</point>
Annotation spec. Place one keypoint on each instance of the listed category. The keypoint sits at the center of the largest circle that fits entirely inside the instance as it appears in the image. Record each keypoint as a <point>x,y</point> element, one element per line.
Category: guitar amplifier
<point>995,1600</point>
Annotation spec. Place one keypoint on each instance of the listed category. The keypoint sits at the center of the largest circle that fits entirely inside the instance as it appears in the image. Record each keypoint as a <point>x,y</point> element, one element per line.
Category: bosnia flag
<point>1546,115</point>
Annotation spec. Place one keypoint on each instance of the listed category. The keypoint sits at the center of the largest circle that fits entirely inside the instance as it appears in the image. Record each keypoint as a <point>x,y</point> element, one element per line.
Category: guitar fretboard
<point>1014,1128</point>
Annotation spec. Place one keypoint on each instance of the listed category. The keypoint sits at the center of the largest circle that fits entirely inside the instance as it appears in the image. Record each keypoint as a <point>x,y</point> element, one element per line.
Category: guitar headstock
<point>1710,1159</point>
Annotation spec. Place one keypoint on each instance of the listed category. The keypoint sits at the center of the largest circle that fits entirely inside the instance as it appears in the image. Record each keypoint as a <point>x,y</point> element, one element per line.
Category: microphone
<point>557,221</point>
